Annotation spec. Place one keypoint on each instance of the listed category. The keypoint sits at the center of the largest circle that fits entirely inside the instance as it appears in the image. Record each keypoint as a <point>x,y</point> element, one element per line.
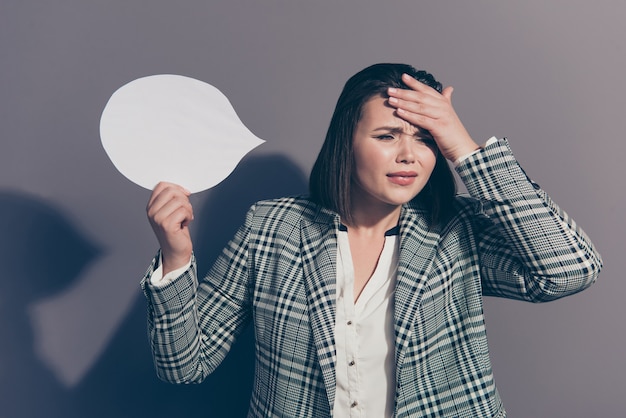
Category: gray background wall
<point>74,240</point>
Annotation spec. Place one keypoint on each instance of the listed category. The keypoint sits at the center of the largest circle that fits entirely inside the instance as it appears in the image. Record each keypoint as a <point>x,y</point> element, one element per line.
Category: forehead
<point>377,113</point>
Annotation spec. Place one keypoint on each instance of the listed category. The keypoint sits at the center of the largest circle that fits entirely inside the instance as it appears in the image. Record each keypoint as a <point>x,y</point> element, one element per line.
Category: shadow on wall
<point>123,382</point>
<point>41,254</point>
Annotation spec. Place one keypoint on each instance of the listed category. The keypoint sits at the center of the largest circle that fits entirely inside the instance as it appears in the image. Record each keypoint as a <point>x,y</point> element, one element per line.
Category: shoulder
<point>290,204</point>
<point>462,206</point>
<point>466,213</point>
<point>283,211</point>
<point>466,205</point>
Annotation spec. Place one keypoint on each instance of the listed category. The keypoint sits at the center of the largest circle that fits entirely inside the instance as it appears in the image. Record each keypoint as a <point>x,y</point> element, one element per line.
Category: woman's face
<point>393,159</point>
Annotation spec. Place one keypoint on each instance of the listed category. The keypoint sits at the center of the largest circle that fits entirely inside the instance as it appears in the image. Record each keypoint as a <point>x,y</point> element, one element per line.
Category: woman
<point>366,297</point>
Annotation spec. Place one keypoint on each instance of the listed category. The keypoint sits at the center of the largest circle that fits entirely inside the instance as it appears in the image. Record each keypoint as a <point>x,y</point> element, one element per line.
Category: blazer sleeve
<point>528,247</point>
<point>192,324</point>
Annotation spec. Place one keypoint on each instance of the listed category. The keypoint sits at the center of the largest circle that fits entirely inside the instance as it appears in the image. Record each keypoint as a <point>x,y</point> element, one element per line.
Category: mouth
<point>403,178</point>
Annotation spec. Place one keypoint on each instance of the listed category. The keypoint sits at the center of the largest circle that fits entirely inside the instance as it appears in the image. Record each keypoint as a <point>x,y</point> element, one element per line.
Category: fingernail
<point>392,90</point>
<point>393,100</point>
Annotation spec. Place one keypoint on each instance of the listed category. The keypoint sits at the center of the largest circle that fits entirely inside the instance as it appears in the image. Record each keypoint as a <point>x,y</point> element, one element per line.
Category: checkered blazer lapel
<point>418,243</point>
<point>319,259</point>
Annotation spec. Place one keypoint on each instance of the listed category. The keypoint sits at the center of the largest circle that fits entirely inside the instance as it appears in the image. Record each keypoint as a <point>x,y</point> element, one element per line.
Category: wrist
<point>174,262</point>
<point>462,151</point>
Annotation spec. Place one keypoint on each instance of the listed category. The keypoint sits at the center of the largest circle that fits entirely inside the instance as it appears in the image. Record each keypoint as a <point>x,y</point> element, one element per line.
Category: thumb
<point>447,92</point>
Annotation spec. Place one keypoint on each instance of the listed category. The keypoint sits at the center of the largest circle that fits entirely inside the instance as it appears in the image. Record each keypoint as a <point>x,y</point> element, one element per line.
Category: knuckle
<point>158,219</point>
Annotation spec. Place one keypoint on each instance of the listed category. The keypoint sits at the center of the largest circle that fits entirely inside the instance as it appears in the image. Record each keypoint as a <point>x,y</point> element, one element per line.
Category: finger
<point>411,96</point>
<point>174,215</point>
<point>163,186</point>
<point>447,93</point>
<point>416,119</point>
<point>417,101</point>
<point>164,191</point>
<point>166,202</point>
<point>428,108</point>
<point>417,85</point>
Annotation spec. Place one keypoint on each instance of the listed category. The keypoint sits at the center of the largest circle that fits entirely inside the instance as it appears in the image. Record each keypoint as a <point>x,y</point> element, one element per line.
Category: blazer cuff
<point>489,142</point>
<point>164,298</point>
<point>493,173</point>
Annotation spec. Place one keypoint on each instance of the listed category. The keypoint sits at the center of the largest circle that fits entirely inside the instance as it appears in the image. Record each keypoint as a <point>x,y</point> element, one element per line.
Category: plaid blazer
<point>509,239</point>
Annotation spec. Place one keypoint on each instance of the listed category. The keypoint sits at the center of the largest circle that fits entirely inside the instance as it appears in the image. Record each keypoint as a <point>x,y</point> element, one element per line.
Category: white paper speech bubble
<point>176,129</point>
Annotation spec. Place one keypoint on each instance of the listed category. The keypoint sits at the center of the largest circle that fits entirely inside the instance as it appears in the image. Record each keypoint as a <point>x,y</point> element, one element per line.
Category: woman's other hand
<point>170,213</point>
<point>426,108</point>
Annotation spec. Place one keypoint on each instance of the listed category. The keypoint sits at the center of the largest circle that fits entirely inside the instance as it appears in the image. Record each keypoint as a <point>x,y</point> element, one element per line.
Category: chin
<point>400,200</point>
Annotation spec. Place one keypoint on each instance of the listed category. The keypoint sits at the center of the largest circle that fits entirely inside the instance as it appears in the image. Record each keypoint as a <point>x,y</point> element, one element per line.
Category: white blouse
<point>364,335</point>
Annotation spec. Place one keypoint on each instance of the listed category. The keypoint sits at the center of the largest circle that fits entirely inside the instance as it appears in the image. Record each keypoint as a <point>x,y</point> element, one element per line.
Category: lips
<point>402,178</point>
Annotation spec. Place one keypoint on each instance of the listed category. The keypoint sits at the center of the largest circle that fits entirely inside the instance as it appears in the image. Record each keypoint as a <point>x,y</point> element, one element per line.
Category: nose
<point>406,153</point>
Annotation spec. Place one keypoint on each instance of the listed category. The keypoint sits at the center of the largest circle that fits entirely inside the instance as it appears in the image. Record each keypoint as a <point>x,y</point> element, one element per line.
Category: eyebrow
<point>397,130</point>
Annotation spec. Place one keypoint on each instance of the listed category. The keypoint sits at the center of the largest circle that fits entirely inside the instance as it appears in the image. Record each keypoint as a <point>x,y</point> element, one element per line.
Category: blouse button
<point>349,322</point>
<point>351,363</point>
<point>355,403</point>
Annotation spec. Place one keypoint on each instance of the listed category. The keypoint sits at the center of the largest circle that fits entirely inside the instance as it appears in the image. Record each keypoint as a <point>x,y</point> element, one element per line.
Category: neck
<point>377,219</point>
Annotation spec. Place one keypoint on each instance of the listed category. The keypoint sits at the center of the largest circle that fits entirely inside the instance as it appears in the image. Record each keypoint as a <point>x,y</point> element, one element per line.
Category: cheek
<point>428,158</point>
<point>370,159</point>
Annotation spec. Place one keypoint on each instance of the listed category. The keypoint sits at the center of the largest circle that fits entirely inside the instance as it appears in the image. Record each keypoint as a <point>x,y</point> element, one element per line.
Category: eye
<point>385,137</point>
<point>426,140</point>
